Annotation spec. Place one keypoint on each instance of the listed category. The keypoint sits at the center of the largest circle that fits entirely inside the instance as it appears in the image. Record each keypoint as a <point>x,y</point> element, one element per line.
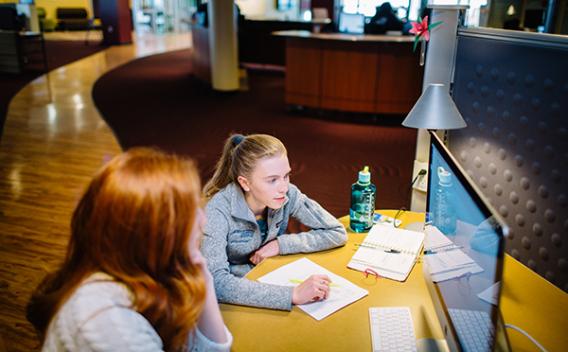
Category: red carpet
<point>156,101</point>
<point>59,53</point>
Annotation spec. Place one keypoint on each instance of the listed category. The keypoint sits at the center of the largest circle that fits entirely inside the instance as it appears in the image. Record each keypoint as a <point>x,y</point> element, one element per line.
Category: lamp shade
<point>435,110</point>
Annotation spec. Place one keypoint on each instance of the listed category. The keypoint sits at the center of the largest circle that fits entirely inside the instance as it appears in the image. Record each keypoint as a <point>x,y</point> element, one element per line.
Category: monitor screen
<point>467,260</point>
<point>351,23</point>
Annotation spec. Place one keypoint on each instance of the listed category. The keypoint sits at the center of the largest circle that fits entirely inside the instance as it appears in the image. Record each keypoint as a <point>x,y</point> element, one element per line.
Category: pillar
<point>223,45</point>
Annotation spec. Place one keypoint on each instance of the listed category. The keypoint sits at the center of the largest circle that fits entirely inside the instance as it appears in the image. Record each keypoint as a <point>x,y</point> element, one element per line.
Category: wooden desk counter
<point>528,301</point>
<point>346,37</point>
<point>360,73</point>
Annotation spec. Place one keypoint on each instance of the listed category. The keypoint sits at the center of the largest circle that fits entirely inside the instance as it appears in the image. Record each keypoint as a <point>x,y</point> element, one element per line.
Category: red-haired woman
<point>133,278</point>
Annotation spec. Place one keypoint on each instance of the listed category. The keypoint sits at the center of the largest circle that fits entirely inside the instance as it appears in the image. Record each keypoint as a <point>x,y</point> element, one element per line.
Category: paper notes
<point>342,291</point>
<point>446,265</point>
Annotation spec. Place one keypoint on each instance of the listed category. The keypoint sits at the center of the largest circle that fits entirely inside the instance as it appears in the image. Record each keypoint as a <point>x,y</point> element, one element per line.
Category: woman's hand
<point>314,288</point>
<point>270,249</point>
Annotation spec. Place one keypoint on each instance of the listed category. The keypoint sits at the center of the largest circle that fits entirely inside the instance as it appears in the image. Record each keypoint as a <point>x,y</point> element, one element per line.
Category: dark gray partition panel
<point>512,89</point>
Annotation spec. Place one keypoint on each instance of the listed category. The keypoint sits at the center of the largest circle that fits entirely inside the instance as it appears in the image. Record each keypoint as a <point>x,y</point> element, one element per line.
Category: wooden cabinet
<point>10,56</point>
<point>304,86</point>
<point>349,76</point>
<point>375,74</point>
<point>22,50</point>
<point>399,79</point>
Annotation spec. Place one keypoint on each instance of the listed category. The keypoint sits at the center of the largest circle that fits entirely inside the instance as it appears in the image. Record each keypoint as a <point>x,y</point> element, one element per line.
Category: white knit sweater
<point>99,317</point>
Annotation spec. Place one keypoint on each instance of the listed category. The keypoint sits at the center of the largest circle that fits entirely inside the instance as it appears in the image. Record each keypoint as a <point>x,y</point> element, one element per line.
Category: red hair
<point>134,223</point>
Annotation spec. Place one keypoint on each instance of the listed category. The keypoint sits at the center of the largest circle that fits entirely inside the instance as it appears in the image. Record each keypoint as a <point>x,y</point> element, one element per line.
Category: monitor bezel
<point>441,309</point>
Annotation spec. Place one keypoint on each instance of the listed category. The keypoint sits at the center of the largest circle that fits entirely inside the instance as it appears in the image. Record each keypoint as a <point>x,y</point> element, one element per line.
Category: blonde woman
<point>251,200</point>
<point>134,278</point>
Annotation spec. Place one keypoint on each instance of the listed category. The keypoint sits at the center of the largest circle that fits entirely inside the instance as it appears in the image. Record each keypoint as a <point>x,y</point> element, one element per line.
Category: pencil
<point>298,281</point>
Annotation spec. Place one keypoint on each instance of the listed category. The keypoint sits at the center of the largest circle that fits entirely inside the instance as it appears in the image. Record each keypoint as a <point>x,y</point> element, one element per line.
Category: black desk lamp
<point>435,110</point>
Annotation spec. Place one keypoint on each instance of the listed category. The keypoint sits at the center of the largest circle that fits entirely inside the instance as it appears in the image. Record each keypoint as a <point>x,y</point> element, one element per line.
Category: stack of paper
<point>435,239</point>
<point>444,259</point>
<point>342,291</point>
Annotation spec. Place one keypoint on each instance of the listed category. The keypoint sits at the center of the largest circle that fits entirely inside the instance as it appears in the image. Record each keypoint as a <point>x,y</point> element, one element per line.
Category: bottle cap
<point>444,176</point>
<point>364,176</point>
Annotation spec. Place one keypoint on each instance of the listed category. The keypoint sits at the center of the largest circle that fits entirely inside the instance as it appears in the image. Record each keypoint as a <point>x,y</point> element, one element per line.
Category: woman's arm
<point>230,288</point>
<point>327,232</point>
<point>210,323</point>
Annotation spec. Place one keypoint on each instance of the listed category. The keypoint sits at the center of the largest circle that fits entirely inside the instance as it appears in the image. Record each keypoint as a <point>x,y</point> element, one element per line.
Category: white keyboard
<point>474,329</point>
<point>392,329</point>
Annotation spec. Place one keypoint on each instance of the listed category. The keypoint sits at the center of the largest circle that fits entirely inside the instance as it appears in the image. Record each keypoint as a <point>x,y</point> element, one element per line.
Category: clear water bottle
<point>363,194</point>
<point>444,214</point>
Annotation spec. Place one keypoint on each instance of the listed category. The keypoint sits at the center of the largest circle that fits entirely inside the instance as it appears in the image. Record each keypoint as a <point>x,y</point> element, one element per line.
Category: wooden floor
<point>54,140</point>
<point>92,36</point>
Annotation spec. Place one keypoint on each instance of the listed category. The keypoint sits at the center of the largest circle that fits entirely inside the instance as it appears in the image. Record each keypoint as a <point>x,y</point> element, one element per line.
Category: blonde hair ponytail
<point>240,155</point>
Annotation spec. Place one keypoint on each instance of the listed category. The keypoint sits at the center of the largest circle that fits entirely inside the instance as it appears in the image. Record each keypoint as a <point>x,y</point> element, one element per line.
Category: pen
<point>391,250</point>
<point>443,249</point>
<point>298,281</point>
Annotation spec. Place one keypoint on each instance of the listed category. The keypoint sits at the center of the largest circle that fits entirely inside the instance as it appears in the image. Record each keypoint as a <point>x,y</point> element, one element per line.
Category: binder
<point>389,251</point>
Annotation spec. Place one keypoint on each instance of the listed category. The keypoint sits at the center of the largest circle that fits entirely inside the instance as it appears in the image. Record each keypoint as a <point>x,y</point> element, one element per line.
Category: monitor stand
<point>432,345</point>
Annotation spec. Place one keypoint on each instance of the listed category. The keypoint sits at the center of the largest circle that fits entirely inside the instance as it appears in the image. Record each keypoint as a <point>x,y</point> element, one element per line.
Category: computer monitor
<point>457,208</point>
<point>351,23</point>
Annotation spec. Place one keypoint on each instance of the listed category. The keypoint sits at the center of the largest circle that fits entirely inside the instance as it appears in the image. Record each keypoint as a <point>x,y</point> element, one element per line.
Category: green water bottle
<point>362,202</point>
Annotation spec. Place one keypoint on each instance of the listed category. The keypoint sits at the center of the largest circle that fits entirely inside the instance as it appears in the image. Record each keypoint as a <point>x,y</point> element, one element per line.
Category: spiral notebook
<point>389,251</point>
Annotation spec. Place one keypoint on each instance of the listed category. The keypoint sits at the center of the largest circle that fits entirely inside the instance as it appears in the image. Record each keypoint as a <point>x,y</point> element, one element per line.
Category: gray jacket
<point>232,235</point>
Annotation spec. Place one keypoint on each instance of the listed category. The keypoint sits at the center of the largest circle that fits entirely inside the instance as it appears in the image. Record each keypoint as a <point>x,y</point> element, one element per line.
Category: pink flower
<point>421,29</point>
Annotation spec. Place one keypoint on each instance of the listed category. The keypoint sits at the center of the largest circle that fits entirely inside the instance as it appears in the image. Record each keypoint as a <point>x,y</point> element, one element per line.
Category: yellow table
<point>528,301</point>
<point>535,305</point>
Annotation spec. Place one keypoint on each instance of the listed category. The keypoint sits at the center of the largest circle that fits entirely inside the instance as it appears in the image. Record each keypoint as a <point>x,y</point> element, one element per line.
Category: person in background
<point>384,20</point>
<point>513,23</point>
<point>133,278</point>
<point>250,203</point>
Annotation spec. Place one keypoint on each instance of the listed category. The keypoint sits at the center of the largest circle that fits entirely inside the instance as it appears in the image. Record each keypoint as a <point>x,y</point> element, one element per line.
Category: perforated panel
<point>513,95</point>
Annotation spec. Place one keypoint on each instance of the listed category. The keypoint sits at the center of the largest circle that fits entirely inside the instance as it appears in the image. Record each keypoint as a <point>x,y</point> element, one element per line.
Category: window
<point>283,5</point>
<point>368,7</point>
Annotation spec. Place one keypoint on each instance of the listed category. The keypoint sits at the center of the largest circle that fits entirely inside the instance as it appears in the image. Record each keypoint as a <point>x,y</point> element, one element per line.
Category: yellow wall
<point>51,5</point>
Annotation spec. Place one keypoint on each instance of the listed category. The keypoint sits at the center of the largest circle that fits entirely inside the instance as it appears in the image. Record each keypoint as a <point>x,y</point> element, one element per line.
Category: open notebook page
<point>388,237</point>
